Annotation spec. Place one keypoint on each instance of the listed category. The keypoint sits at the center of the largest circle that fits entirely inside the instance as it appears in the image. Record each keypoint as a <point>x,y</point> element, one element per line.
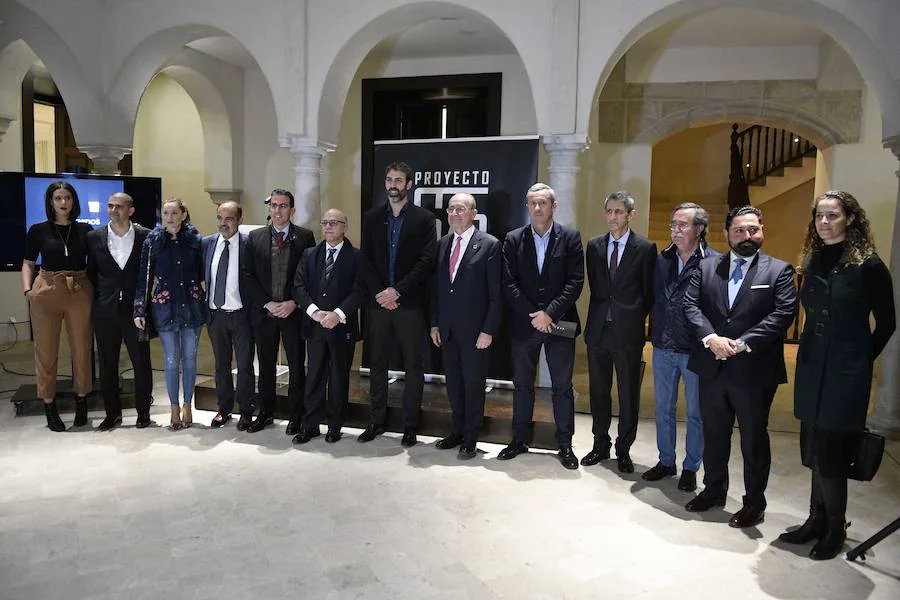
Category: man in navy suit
<point>465,317</point>
<point>543,275</point>
<point>224,259</point>
<point>328,290</point>
<point>620,273</point>
<point>114,256</point>
<point>740,304</point>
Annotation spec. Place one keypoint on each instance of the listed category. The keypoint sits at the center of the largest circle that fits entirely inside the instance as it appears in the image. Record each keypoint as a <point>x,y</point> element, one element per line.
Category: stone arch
<point>850,36</point>
<point>343,66</point>
<point>16,59</point>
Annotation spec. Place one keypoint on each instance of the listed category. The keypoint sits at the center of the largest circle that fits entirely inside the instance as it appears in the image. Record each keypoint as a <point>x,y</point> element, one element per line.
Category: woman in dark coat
<point>844,282</point>
<point>172,268</point>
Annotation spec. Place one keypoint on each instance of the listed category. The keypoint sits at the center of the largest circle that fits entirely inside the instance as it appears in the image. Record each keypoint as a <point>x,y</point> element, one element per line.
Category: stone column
<point>105,158</point>
<point>218,196</point>
<point>307,153</point>
<point>564,150</point>
<point>886,416</point>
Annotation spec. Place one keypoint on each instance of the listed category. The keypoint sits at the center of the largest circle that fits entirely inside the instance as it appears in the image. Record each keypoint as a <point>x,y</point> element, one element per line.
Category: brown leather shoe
<point>244,422</point>
<point>702,502</point>
<point>220,419</point>
<point>748,516</point>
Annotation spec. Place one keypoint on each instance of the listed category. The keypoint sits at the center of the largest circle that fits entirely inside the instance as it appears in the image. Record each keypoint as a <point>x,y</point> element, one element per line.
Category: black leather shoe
<point>688,480</point>
<point>371,432</point>
<point>703,502</point>
<point>54,422</point>
<point>260,422</point>
<point>748,516</point>
<point>220,419</point>
<point>333,435</point>
<point>812,529</point>
<point>567,458</point>
<point>109,423</point>
<point>305,435</point>
<point>659,471</point>
<point>515,448</point>
<point>831,544</point>
<point>467,450</point>
<point>80,412</point>
<point>409,437</point>
<point>294,427</point>
<point>448,443</point>
<point>244,422</point>
<point>596,454</point>
<point>143,420</point>
<point>624,463</point>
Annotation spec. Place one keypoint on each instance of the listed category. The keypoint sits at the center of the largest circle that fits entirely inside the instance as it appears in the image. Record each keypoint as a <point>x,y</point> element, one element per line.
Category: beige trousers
<point>58,296</point>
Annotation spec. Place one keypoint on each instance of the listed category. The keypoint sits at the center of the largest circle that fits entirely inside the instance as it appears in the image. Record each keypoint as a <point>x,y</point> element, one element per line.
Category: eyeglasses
<point>537,203</point>
<point>457,210</point>
<point>330,222</point>
<point>274,206</point>
<point>679,225</point>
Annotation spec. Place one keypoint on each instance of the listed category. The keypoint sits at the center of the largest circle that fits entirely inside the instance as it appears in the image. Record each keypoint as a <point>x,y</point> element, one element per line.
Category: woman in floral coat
<point>172,268</point>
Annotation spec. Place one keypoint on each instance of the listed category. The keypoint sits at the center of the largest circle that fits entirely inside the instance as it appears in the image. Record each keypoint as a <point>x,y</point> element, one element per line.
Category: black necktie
<point>221,278</point>
<point>613,265</point>
<point>329,264</point>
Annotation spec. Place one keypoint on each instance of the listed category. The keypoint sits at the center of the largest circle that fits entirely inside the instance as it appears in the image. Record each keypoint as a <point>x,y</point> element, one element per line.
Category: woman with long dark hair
<point>61,293</point>
<point>169,290</point>
<point>844,283</point>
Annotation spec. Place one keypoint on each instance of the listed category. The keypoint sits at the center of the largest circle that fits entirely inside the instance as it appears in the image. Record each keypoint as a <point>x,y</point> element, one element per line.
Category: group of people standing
<point>717,321</point>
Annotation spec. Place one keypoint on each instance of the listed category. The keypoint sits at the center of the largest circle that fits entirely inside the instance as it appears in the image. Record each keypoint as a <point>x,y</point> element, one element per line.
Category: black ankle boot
<point>53,420</point>
<point>80,411</point>
<point>831,544</point>
<point>812,529</point>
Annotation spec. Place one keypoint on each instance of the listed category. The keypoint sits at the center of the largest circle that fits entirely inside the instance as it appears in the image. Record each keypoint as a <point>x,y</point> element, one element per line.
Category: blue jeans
<point>180,350</point>
<point>668,367</point>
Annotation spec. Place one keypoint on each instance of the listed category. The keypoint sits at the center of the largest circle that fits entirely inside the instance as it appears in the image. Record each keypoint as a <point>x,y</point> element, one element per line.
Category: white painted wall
<point>674,65</point>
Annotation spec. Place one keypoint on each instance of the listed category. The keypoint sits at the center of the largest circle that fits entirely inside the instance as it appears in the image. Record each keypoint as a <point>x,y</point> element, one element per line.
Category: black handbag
<point>868,456</point>
<point>149,331</point>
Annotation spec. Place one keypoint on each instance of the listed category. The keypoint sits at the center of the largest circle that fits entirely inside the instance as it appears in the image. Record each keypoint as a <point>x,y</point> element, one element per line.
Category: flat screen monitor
<point>22,202</point>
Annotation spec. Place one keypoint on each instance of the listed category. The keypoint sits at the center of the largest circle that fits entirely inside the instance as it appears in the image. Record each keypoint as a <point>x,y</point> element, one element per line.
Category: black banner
<point>496,171</point>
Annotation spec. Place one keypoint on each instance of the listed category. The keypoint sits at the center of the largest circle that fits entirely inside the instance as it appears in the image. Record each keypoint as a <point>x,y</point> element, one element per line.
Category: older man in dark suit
<point>275,252</point>
<point>740,304</point>
<point>398,242</point>
<point>225,256</point>
<point>620,273</point>
<point>465,317</point>
<point>543,275</point>
<point>114,256</point>
<point>328,289</point>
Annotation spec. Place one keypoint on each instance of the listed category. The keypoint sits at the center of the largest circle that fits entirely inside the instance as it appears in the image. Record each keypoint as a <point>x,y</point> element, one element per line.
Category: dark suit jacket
<point>345,290</point>
<point>555,289</point>
<point>258,270</point>
<point>415,255</point>
<point>631,292</point>
<point>208,246</point>
<point>108,279</point>
<point>472,303</point>
<point>761,314</point>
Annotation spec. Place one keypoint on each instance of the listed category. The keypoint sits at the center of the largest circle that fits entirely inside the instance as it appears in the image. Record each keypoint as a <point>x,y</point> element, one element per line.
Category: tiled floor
<point>206,513</point>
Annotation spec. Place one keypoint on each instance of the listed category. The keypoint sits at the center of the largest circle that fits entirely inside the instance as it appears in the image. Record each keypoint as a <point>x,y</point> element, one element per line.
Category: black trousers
<point>560,353</point>
<point>110,333</point>
<point>267,334</point>
<point>721,401</point>
<point>606,354</point>
<point>328,380</point>
<point>403,328</point>
<point>231,331</point>
<point>465,367</point>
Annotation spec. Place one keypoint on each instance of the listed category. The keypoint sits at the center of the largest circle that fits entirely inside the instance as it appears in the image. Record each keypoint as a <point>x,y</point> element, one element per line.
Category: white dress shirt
<point>466,238</point>
<point>120,246</point>
<point>232,291</point>
<point>312,306</point>
<point>610,247</point>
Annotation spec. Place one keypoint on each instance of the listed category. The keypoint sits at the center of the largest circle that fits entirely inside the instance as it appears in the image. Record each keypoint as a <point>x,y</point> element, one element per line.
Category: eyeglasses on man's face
<point>330,222</point>
<point>457,210</point>
<point>679,225</point>
<point>278,206</point>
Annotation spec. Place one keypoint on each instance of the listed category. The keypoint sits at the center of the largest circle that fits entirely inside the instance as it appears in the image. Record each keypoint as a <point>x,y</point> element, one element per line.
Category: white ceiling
<point>226,49</point>
<point>447,36</point>
<point>733,28</point>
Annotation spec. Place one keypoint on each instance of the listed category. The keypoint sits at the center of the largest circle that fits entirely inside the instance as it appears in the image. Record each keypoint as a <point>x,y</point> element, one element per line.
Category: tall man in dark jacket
<point>328,290</point>
<point>740,305</point>
<point>543,275</point>
<point>465,316</point>
<point>398,243</point>
<point>114,257</point>
<point>225,258</point>
<point>673,341</point>
<point>620,273</point>
<point>275,252</point>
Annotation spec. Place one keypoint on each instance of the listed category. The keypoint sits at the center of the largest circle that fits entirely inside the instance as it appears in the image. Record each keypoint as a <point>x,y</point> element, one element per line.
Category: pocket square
<point>760,287</point>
